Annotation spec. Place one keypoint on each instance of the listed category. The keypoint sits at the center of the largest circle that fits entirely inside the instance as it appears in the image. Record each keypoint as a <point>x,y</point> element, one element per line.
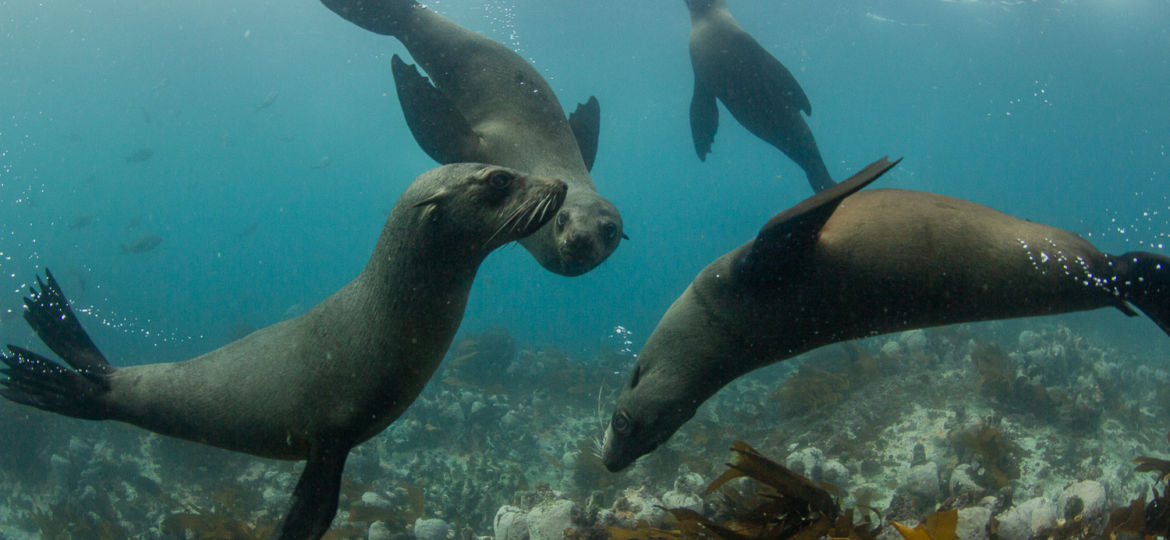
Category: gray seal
<point>845,264</point>
<point>315,386</point>
<point>731,66</point>
<point>485,103</point>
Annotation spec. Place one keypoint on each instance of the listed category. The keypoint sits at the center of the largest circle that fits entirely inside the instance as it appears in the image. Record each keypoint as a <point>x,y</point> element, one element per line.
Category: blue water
<point>1053,111</point>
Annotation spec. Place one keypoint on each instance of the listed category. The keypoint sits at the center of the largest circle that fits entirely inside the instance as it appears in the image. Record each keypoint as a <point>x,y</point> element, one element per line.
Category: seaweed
<point>939,525</point>
<point>64,520</point>
<point>481,360</point>
<point>999,454</point>
<point>1151,519</point>
<point>788,506</point>
<point>810,390</point>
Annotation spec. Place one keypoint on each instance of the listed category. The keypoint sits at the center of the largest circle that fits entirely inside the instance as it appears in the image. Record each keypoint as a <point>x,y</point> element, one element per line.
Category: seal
<point>487,104</point>
<point>843,265</point>
<point>315,386</point>
<point>755,87</point>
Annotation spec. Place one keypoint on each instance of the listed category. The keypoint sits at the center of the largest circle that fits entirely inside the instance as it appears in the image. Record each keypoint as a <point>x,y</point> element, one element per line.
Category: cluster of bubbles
<point>502,17</point>
<point>620,337</point>
<point>1039,96</point>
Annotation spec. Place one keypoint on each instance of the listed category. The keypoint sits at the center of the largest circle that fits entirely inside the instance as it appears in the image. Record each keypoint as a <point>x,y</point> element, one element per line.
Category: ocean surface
<point>192,171</point>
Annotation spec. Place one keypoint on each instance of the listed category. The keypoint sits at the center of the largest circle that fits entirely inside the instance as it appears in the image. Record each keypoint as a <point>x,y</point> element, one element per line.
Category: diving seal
<point>754,86</point>
<point>842,265</point>
<point>315,386</point>
<point>487,104</point>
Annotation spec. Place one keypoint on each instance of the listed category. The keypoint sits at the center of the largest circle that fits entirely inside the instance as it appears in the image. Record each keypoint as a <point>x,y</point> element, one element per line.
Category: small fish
<point>249,230</point>
<point>268,100</point>
<point>134,222</point>
<point>145,115</point>
<point>321,163</point>
<point>140,155</point>
<point>81,222</point>
<point>142,245</point>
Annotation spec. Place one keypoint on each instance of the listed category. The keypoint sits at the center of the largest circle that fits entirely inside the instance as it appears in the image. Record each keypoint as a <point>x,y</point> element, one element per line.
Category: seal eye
<point>621,423</point>
<point>611,231</point>
<point>562,218</point>
<point>499,179</point>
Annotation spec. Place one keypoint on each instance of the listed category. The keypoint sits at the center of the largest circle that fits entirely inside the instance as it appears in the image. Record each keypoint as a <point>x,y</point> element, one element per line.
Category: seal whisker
<point>537,211</point>
<point>508,223</point>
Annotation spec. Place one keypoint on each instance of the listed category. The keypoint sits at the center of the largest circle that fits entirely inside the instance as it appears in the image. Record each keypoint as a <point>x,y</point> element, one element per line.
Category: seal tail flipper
<point>1145,282</point>
<point>379,16</point>
<point>586,125</point>
<point>314,501</point>
<point>42,383</point>
<point>797,228</point>
<point>437,125</point>
<point>47,311</point>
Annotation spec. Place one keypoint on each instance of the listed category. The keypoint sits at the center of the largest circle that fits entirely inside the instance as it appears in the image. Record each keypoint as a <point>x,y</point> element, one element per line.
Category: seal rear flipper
<point>437,125</point>
<point>314,501</point>
<point>797,228</point>
<point>379,16</point>
<point>704,119</point>
<point>47,311</point>
<point>1145,282</point>
<point>586,125</point>
<point>42,383</point>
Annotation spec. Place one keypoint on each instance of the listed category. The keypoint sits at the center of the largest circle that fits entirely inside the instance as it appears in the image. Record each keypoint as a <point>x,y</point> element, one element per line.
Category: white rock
<point>1026,519</point>
<point>805,461</point>
<point>914,340</point>
<point>430,529</point>
<point>1029,340</point>
<point>922,481</point>
<point>962,483</point>
<point>549,519</point>
<point>371,498</point>
<point>834,472</point>
<point>378,531</point>
<point>973,523</point>
<point>690,483</point>
<point>680,499</point>
<point>891,348</point>
<point>510,523</point>
<point>1092,495</point>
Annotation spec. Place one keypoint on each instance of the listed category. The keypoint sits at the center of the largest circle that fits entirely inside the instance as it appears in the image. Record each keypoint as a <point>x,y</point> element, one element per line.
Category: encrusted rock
<point>1027,518</point>
<point>430,529</point>
<point>973,523</point>
<point>1086,499</point>
<point>378,531</point>
<point>922,482</point>
<point>549,519</point>
<point>679,499</point>
<point>510,523</point>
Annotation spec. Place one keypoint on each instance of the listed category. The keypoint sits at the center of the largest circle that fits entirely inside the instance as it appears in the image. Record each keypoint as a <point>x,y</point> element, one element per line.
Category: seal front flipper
<point>437,125</point>
<point>586,125</point>
<point>796,229</point>
<point>704,118</point>
<point>379,16</point>
<point>777,88</point>
<point>314,501</point>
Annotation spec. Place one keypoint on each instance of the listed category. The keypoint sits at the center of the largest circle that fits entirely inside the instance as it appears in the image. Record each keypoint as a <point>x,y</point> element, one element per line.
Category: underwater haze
<point>192,171</point>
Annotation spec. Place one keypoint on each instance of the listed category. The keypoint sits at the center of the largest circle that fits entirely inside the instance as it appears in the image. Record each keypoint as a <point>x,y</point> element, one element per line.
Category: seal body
<point>731,66</point>
<point>485,103</point>
<point>844,265</point>
<point>317,385</point>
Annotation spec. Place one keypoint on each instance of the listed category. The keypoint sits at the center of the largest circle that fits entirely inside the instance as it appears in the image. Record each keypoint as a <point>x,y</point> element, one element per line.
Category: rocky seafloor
<point>1021,426</point>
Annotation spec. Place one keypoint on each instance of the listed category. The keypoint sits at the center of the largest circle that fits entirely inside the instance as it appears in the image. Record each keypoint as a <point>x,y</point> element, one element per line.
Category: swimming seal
<point>843,265</point>
<point>755,87</point>
<point>487,104</point>
<point>315,386</point>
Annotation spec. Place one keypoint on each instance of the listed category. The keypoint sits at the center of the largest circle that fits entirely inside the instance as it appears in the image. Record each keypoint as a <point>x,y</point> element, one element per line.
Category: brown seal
<point>315,386</point>
<point>754,86</point>
<point>485,103</point>
<point>845,264</point>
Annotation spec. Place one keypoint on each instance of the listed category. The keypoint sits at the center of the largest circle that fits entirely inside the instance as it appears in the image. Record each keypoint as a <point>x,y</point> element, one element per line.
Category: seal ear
<point>796,229</point>
<point>432,202</point>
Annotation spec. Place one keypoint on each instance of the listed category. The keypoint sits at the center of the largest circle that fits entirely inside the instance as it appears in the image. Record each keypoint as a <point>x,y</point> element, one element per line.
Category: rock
<point>690,483</point>
<point>973,523</point>
<point>962,485</point>
<point>807,462</point>
<point>549,519</point>
<point>891,348</point>
<point>373,499</point>
<point>430,529</point>
<point>511,420</point>
<point>1082,498</point>
<point>1030,340</point>
<point>679,499</point>
<point>914,340</point>
<point>635,505</point>
<point>922,482</point>
<point>378,531</point>
<point>836,473</point>
<point>510,523</point>
<point>1027,518</point>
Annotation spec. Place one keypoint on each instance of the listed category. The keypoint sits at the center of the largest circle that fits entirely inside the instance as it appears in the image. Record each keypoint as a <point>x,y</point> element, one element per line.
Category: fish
<point>81,222</point>
<point>140,155</point>
<point>268,100</point>
<point>143,244</point>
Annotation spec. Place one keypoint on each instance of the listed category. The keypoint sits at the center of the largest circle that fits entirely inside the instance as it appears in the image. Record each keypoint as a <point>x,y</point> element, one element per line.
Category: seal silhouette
<point>315,386</point>
<point>487,104</point>
<point>755,87</point>
<point>844,264</point>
